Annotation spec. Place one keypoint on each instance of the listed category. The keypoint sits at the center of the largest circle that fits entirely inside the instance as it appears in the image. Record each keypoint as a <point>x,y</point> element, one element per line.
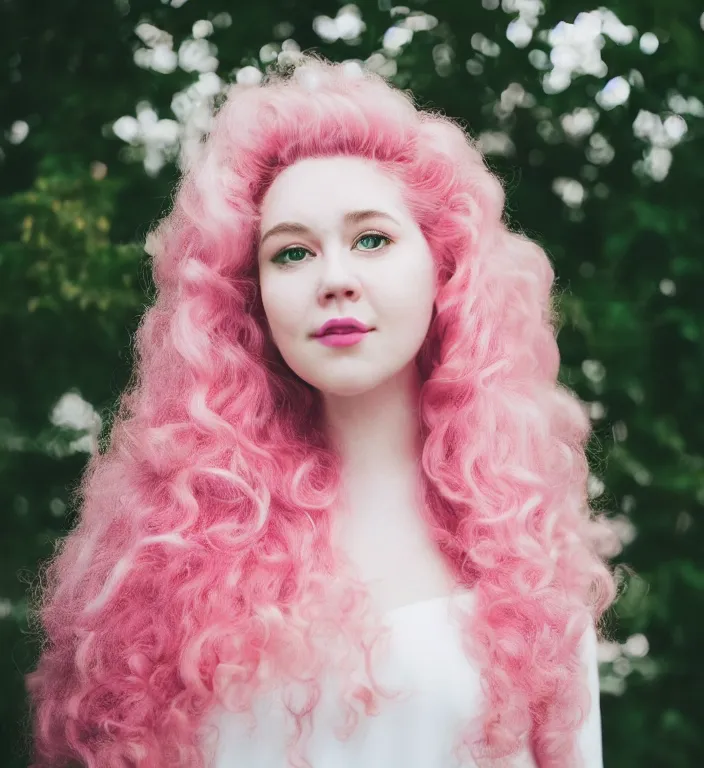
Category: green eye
<point>372,236</point>
<point>298,254</point>
<point>278,259</point>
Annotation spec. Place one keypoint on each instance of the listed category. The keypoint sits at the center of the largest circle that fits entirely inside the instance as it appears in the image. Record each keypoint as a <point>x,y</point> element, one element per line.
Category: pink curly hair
<point>203,544</point>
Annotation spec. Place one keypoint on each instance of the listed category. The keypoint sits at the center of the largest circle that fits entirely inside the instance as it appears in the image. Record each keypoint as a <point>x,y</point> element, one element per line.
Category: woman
<point>343,512</point>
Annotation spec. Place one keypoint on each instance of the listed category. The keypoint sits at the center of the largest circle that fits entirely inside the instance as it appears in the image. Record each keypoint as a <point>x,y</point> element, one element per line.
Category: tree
<point>592,119</point>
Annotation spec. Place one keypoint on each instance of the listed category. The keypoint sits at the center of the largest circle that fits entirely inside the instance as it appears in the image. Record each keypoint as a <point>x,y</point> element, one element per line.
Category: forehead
<point>317,189</point>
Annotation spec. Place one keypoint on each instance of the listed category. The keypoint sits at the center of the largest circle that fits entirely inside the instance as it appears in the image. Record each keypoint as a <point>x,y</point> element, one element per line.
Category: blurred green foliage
<point>76,202</point>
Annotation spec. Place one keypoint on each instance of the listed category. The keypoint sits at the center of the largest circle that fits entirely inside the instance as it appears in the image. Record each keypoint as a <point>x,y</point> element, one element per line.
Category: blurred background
<point>592,115</point>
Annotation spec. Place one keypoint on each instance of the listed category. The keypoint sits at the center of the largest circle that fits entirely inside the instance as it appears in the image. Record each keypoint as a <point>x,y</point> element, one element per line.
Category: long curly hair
<point>202,554</point>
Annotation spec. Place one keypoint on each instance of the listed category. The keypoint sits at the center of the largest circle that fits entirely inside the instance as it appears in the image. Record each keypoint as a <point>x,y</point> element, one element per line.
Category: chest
<point>390,547</point>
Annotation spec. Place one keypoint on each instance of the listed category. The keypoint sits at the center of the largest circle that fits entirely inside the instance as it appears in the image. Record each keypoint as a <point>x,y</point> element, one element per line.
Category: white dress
<point>415,731</point>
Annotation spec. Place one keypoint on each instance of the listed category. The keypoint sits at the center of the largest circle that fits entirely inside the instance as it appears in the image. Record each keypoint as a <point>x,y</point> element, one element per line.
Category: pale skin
<point>378,269</point>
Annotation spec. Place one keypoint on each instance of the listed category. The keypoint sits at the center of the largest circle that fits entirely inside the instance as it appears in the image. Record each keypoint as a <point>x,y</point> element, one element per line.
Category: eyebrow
<point>352,217</point>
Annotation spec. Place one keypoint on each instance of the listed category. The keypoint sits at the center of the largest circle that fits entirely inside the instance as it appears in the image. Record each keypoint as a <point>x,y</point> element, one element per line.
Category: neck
<point>377,433</point>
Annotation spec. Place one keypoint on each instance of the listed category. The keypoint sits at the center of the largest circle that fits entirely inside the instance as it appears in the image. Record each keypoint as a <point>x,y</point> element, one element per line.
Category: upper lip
<point>341,322</point>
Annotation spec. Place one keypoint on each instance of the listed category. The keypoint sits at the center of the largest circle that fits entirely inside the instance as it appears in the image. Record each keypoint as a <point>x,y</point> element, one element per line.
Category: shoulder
<point>589,738</point>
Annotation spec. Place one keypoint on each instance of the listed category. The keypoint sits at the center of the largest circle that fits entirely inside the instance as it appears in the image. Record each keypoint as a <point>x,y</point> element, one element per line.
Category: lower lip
<point>342,339</point>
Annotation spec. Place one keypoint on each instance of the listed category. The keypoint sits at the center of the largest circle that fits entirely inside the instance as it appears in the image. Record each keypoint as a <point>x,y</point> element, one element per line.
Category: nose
<point>337,281</point>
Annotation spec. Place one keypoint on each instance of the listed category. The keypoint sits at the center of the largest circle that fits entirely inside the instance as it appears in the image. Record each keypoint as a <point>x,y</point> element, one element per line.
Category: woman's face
<point>321,258</point>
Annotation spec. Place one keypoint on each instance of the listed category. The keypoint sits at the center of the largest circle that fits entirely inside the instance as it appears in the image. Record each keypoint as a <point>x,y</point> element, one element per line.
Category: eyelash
<point>301,248</point>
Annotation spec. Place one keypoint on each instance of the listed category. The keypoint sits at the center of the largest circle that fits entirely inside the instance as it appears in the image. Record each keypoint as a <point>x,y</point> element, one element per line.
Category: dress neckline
<point>418,604</point>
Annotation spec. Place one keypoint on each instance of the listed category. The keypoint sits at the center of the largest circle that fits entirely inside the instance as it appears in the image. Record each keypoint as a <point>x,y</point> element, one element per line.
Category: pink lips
<point>342,339</point>
<point>342,324</point>
<point>341,332</point>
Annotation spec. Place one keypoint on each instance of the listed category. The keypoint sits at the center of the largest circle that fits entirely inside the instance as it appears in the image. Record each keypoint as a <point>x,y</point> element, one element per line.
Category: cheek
<point>272,299</point>
<point>411,301</point>
<point>412,289</point>
<point>282,306</point>
<point>427,285</point>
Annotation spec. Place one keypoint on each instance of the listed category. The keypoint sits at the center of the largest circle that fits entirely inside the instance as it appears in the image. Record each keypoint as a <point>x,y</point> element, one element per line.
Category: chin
<point>345,388</point>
